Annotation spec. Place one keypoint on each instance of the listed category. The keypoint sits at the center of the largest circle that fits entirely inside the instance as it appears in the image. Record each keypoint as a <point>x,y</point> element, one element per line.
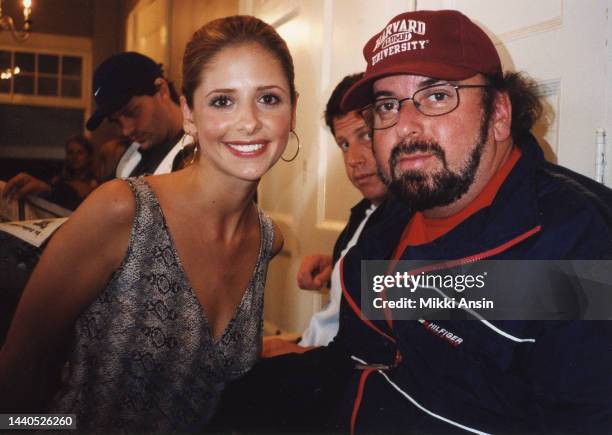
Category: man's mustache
<point>416,147</point>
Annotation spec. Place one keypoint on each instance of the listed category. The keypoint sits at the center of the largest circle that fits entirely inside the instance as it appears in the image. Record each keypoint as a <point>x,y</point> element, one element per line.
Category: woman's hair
<point>88,147</point>
<point>218,34</point>
<point>81,140</point>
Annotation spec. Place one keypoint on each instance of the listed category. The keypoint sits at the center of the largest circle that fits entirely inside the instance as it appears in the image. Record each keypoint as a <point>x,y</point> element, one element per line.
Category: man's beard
<point>422,190</point>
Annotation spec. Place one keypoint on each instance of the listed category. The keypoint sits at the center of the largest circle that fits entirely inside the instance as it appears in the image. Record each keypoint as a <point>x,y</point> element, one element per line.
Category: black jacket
<point>556,377</point>
<point>358,212</point>
<point>508,376</point>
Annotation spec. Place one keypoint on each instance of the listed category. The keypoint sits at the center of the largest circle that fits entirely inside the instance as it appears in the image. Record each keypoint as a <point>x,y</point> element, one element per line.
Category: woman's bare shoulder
<point>112,202</point>
<point>74,268</point>
<point>102,223</point>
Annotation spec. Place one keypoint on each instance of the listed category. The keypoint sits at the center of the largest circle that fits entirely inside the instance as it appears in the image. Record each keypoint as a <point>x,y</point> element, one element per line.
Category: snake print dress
<point>143,357</point>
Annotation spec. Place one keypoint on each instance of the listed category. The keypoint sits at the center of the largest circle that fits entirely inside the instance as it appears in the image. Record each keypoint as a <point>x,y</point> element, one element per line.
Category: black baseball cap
<point>118,79</point>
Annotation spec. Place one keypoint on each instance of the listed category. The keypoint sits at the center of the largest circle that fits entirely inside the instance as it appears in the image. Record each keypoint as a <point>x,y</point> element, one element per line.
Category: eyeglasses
<point>434,100</point>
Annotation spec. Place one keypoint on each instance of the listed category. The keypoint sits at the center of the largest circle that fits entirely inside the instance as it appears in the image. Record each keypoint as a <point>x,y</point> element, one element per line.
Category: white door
<point>310,197</point>
<point>563,45</point>
<point>147,30</point>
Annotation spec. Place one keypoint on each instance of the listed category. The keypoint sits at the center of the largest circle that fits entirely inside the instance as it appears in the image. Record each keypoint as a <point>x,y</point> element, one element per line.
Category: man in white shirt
<point>319,270</point>
<point>130,90</point>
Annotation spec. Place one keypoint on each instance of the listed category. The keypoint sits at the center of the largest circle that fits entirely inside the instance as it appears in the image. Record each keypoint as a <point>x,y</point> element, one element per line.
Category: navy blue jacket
<point>358,212</point>
<point>559,383</point>
<point>535,376</point>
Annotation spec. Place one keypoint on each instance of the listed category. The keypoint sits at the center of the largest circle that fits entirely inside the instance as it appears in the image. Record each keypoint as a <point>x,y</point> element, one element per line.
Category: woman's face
<point>77,157</point>
<point>242,112</point>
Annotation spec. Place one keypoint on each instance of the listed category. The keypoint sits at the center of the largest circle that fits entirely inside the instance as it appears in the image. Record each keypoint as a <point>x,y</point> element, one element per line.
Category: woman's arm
<point>73,270</point>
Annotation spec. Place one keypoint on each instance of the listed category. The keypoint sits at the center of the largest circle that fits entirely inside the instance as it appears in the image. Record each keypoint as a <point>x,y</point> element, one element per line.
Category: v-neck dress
<point>143,356</point>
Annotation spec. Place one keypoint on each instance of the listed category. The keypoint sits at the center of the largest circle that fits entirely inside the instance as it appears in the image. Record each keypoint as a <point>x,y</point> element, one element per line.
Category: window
<point>45,94</point>
<point>41,74</point>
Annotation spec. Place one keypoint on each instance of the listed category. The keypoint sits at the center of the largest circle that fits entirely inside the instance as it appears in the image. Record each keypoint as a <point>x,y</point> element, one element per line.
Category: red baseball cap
<point>440,44</point>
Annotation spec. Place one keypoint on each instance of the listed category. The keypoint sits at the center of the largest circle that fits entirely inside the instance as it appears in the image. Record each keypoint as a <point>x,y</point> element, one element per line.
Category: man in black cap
<point>130,90</point>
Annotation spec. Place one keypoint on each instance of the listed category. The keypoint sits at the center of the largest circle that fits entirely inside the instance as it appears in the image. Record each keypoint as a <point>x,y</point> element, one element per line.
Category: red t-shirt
<point>421,230</point>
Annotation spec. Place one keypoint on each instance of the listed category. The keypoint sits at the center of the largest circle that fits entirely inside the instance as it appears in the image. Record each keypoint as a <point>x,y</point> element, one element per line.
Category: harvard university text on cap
<point>397,38</point>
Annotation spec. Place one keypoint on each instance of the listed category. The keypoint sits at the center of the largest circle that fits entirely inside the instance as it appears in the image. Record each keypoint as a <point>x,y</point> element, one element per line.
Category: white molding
<point>547,88</point>
<point>20,152</point>
<point>511,35</point>
<point>285,218</point>
<point>134,34</point>
<point>549,92</point>
<point>333,225</point>
<point>47,43</point>
<point>246,7</point>
<point>276,12</point>
<point>44,43</point>
<point>323,223</point>
<point>325,80</point>
<point>523,32</point>
<point>37,100</point>
<point>608,99</point>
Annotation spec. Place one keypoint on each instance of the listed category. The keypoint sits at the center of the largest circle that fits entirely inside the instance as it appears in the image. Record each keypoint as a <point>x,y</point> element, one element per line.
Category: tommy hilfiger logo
<point>397,38</point>
<point>444,334</point>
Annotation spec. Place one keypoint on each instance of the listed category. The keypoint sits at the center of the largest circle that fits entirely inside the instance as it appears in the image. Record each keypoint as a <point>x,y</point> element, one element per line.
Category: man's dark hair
<point>333,110</point>
<point>174,96</point>
<point>526,105</point>
<point>81,140</point>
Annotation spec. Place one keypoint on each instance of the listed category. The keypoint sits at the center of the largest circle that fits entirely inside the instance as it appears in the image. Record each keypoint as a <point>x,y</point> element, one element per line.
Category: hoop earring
<point>192,147</point>
<point>196,148</point>
<point>297,151</point>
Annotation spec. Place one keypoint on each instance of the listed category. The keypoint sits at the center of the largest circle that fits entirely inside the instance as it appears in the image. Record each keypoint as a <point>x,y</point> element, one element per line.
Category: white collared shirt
<point>324,324</point>
<point>132,157</point>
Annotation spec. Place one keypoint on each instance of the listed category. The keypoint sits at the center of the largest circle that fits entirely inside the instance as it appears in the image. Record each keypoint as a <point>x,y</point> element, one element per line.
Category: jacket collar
<point>514,211</point>
<point>360,208</point>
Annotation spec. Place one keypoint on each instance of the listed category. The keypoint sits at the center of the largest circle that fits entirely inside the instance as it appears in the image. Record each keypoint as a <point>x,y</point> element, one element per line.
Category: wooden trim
<point>47,43</point>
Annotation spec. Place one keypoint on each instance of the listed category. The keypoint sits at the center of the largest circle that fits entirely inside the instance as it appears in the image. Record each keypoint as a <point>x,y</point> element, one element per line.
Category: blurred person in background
<point>67,189</point>
<point>130,91</point>
<point>108,156</point>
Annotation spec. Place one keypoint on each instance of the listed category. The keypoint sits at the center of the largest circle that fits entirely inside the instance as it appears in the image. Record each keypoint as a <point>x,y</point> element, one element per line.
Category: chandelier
<point>6,22</point>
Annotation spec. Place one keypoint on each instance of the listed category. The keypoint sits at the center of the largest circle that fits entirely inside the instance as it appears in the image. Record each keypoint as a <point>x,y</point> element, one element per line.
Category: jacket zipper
<point>438,266</point>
